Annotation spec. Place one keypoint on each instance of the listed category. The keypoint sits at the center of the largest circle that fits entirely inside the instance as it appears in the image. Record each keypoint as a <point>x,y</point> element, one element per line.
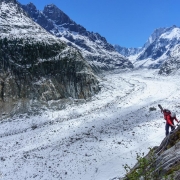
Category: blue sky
<point>128,23</point>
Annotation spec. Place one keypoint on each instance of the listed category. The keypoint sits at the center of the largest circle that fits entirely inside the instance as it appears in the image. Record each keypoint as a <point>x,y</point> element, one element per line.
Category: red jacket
<point>169,119</point>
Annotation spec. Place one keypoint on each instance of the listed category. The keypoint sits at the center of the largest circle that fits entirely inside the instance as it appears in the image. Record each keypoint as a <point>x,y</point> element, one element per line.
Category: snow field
<point>92,140</point>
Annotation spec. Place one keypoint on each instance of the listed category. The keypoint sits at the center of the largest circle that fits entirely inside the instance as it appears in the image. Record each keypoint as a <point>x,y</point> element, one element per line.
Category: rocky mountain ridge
<point>127,51</point>
<point>94,47</point>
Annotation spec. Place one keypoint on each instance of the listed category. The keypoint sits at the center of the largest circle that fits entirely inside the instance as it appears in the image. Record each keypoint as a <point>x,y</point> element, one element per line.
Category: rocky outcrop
<point>36,68</point>
<point>161,163</point>
<point>168,156</point>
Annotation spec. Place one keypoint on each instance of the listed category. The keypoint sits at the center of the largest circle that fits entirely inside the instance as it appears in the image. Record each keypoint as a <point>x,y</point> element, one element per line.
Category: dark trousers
<point>167,128</point>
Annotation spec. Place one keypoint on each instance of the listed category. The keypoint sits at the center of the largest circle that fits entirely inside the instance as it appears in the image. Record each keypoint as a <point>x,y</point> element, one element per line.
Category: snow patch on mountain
<point>170,35</point>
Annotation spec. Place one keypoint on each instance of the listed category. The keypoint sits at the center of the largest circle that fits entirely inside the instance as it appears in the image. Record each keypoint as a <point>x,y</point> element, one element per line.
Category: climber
<point>169,117</point>
<point>169,120</point>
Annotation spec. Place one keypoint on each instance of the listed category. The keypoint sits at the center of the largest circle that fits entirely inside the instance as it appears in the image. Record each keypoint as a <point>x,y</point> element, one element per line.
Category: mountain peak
<point>174,26</point>
<point>31,5</point>
<point>159,31</point>
<point>54,13</point>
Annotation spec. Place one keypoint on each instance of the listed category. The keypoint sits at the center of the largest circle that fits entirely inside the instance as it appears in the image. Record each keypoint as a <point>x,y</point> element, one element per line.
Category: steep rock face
<point>35,66</point>
<point>94,47</point>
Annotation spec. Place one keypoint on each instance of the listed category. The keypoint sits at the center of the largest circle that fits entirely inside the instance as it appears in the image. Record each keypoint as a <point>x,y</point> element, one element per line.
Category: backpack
<point>167,111</point>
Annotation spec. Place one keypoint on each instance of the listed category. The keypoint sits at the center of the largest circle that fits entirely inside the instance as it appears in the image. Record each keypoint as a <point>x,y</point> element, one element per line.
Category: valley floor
<point>93,140</point>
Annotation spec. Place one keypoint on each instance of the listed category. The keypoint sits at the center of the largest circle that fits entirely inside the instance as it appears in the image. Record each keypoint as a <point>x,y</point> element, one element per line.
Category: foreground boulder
<point>161,163</point>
